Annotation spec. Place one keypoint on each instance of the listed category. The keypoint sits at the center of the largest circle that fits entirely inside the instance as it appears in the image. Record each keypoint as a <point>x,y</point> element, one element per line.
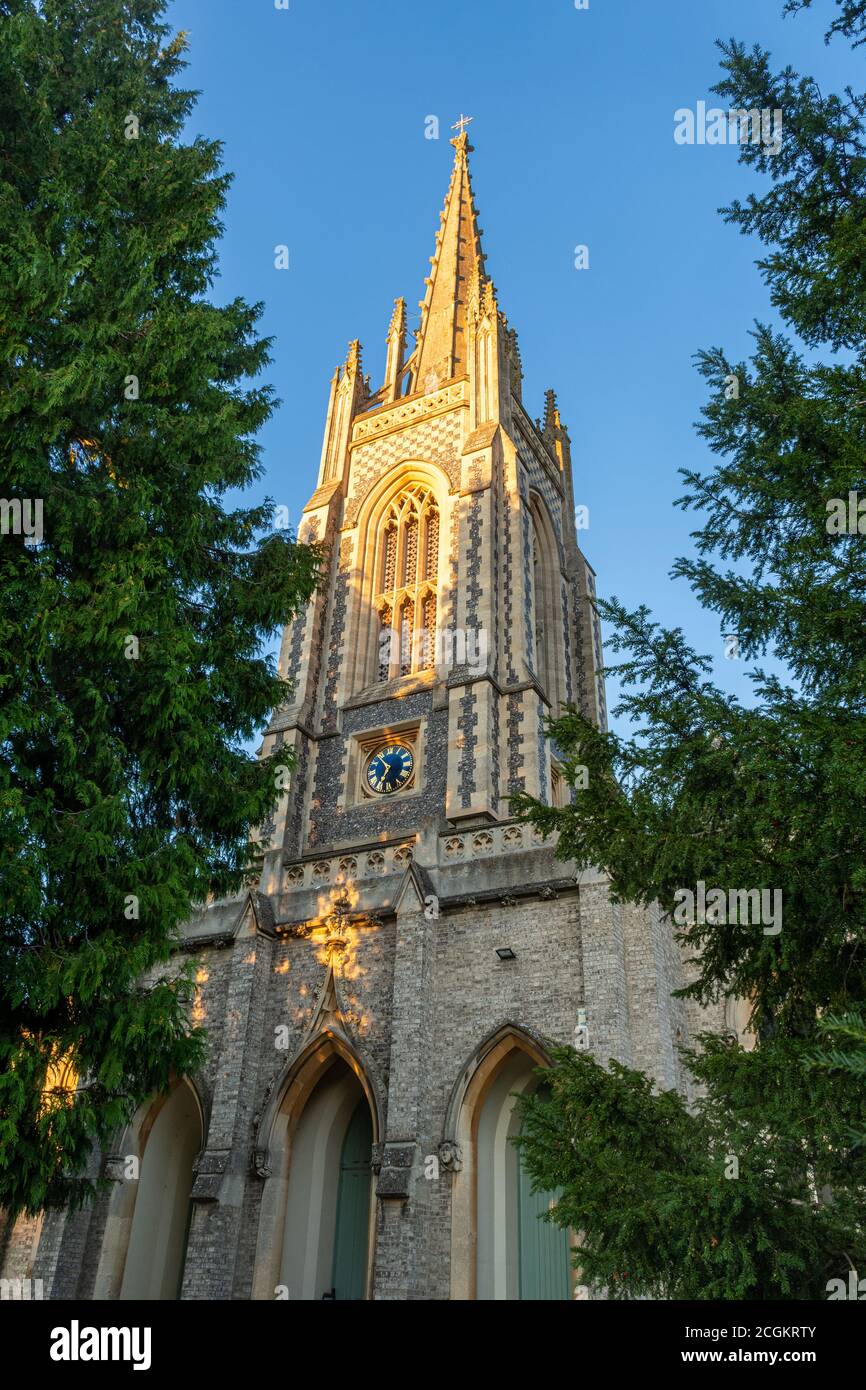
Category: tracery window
<point>543,602</point>
<point>538,601</point>
<point>407,573</point>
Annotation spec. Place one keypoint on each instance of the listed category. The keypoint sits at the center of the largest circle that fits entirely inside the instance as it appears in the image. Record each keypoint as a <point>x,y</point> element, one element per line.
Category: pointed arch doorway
<point>316,1221</point>
<point>144,1248</point>
<point>501,1248</point>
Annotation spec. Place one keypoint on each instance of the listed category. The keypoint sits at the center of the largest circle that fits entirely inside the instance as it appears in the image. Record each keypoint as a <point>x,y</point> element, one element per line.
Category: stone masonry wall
<point>420,998</point>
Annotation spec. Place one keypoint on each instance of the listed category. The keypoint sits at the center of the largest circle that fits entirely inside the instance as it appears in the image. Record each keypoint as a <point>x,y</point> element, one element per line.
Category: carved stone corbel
<point>450,1156</point>
<point>260,1163</point>
<point>114,1167</point>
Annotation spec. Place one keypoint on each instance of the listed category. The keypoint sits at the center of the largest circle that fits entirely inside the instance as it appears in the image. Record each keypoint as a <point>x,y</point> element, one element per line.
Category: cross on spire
<point>463,122</point>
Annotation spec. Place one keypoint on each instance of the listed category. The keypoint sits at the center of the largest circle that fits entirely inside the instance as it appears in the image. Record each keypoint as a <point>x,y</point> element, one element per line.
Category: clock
<point>390,769</point>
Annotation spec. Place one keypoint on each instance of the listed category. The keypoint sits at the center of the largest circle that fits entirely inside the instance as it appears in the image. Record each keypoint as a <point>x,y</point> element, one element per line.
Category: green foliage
<point>679,1203</point>
<point>767,795</point>
<point>843,1051</point>
<point>123,775</point>
<point>852,1059</point>
<point>851,22</point>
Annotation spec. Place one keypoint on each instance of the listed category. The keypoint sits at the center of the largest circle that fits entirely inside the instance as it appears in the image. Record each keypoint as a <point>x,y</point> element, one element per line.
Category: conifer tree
<point>759,1189</point>
<point>136,606</point>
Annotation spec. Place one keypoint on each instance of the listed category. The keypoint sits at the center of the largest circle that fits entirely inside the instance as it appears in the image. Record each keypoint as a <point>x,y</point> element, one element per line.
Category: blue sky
<point>322,111</point>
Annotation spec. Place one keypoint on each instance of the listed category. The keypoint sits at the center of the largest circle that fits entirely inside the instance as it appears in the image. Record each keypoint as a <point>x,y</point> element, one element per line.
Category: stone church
<point>412,951</point>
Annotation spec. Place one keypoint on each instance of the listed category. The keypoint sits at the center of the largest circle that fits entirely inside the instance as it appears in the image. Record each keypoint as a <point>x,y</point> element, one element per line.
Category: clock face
<point>390,768</point>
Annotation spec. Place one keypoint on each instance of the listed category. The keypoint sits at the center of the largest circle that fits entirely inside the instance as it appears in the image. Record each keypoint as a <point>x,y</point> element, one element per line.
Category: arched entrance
<point>157,1241</point>
<point>501,1249</point>
<point>315,1227</point>
<point>144,1247</point>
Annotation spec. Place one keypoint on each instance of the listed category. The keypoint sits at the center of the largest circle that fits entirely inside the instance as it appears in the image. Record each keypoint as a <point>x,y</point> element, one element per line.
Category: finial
<point>353,356</point>
<point>398,317</point>
<point>516,364</point>
<point>461,140</point>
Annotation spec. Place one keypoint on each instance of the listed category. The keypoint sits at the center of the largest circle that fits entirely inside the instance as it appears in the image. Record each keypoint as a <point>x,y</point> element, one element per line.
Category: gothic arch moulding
<point>292,1087</point>
<point>548,616</point>
<point>502,1039</point>
<point>384,594</point>
<point>299,1139</point>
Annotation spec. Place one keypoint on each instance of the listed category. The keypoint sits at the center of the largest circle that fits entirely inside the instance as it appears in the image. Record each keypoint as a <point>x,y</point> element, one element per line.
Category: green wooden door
<point>544,1249</point>
<point>353,1207</point>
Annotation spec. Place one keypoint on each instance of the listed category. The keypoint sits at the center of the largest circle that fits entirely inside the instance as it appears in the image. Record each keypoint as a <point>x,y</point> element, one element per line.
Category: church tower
<point>456,616</point>
<point>412,951</point>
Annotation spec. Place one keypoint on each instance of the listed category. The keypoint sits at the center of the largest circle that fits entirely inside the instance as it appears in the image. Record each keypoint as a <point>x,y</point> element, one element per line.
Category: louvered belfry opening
<point>408,571</point>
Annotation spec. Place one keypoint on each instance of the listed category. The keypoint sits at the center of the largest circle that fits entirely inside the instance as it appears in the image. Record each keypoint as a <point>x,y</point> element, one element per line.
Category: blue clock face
<point>390,768</point>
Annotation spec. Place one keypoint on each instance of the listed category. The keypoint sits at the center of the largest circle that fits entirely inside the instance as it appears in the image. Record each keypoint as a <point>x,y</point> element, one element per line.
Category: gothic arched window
<point>407,569</point>
<point>538,601</point>
<point>543,578</point>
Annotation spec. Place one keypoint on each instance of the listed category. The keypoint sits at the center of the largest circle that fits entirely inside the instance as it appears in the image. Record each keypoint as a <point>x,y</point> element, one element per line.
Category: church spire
<point>457,269</point>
